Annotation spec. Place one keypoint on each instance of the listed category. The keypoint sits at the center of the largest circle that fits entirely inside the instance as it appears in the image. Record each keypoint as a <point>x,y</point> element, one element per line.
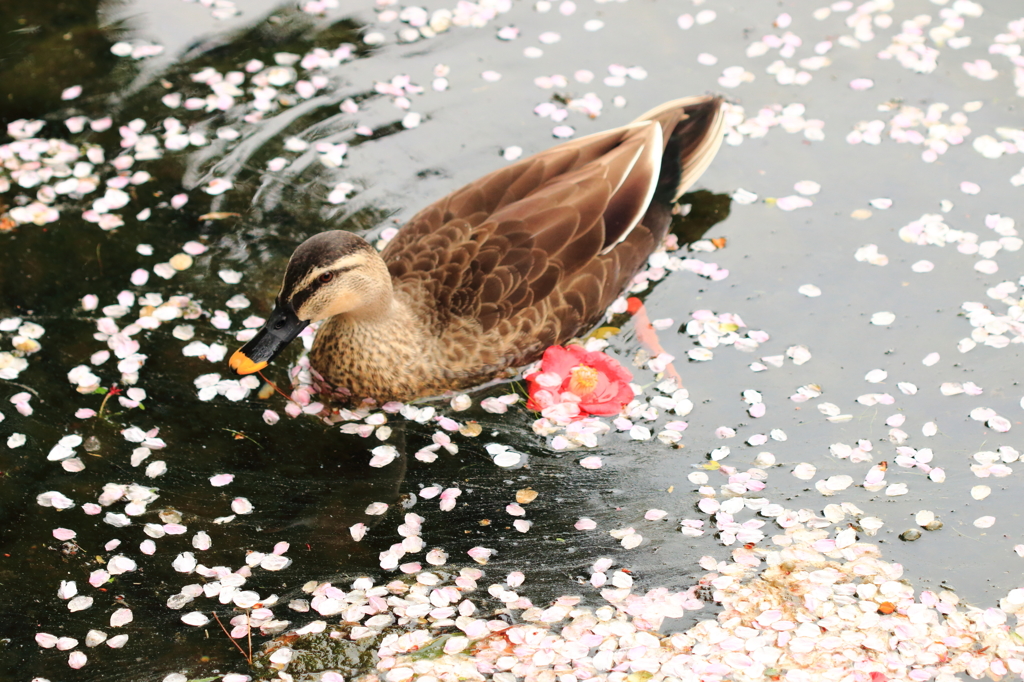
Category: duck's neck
<point>377,353</point>
<point>378,312</point>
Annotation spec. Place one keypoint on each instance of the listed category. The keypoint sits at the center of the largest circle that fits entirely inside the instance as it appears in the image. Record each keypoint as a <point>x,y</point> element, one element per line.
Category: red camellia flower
<point>573,382</point>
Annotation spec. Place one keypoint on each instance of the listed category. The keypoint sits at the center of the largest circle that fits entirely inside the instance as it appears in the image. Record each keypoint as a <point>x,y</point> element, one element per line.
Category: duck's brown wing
<point>543,245</point>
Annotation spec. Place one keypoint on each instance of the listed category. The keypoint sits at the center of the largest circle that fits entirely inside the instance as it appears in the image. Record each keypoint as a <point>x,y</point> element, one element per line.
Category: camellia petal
<point>599,382</point>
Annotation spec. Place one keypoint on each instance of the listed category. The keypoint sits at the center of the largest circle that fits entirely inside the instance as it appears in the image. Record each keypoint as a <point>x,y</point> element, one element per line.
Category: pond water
<point>860,221</point>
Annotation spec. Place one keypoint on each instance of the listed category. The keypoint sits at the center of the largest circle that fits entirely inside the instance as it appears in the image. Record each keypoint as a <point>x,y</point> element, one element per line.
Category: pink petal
<point>793,202</point>
<point>480,554</point>
<point>121,617</point>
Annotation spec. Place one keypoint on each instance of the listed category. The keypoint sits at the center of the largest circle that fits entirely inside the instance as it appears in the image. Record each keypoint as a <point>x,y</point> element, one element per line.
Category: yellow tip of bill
<point>241,363</point>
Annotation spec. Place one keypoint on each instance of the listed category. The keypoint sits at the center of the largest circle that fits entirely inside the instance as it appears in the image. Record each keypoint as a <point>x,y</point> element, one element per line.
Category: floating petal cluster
<point>811,606</point>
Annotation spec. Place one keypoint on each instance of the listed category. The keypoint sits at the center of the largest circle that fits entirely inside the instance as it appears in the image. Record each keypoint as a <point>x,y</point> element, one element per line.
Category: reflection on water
<point>309,483</point>
<point>47,49</point>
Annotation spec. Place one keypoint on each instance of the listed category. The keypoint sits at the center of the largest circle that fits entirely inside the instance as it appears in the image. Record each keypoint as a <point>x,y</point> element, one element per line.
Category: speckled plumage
<point>521,259</point>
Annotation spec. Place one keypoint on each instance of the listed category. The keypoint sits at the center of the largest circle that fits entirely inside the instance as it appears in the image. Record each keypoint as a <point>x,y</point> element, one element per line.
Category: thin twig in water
<point>272,384</point>
<point>27,388</point>
<point>239,434</point>
<point>248,658</point>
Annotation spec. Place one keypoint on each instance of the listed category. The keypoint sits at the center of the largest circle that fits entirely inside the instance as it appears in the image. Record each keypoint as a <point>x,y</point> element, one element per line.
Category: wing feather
<point>530,254</point>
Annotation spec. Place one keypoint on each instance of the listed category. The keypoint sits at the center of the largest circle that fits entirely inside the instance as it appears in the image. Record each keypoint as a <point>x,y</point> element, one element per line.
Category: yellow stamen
<point>583,381</point>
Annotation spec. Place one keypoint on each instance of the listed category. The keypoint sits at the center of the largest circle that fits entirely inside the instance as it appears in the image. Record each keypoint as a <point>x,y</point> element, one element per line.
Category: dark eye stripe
<point>300,297</point>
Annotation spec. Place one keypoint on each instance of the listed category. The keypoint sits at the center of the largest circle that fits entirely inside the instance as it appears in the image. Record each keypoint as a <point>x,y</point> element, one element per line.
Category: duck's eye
<point>326,277</point>
<point>279,324</point>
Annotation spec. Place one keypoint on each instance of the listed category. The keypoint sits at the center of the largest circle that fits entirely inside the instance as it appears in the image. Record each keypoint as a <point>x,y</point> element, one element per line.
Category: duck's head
<point>332,273</point>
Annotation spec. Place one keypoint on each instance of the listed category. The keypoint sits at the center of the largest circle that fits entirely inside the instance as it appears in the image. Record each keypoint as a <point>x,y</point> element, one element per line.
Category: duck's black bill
<point>281,327</point>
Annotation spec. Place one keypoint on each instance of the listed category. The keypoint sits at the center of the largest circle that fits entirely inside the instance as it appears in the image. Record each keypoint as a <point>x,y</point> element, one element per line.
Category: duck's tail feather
<point>694,128</point>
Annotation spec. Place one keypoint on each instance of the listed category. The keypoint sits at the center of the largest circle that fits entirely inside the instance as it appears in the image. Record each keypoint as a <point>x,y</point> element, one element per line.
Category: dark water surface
<point>309,483</point>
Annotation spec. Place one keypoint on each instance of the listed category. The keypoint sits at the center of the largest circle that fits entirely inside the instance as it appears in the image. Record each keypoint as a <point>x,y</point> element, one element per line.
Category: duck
<point>484,280</point>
